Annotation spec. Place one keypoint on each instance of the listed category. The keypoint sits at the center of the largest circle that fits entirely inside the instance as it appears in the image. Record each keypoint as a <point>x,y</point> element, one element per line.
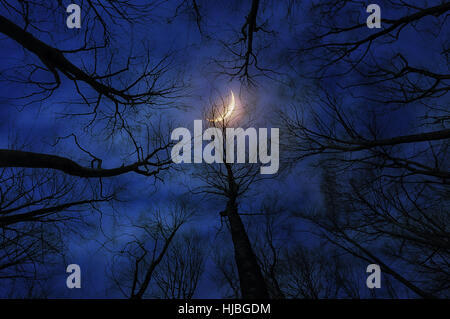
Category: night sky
<point>40,123</point>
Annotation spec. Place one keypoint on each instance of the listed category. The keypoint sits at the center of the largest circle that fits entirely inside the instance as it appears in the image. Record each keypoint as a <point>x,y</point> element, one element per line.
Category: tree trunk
<point>251,279</point>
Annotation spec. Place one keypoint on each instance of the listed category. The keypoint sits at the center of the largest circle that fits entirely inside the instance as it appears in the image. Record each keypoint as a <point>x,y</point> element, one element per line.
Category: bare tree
<point>38,209</point>
<point>146,243</point>
<point>230,182</point>
<point>116,98</point>
<point>113,96</point>
<point>381,224</point>
<point>178,275</point>
<point>225,274</point>
<point>271,234</point>
<point>292,267</point>
<point>385,184</point>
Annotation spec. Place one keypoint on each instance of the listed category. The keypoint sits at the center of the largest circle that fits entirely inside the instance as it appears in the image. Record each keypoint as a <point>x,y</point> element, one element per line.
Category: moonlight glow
<point>227,112</point>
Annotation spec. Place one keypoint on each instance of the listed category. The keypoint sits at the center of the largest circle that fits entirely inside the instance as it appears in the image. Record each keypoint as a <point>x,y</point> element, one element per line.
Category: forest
<point>323,148</point>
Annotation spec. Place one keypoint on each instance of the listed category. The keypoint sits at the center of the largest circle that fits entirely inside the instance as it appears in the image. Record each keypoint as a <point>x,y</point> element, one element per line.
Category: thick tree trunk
<point>251,279</point>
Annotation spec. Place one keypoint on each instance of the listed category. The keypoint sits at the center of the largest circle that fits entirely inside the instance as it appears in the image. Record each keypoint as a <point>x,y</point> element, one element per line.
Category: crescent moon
<point>229,110</point>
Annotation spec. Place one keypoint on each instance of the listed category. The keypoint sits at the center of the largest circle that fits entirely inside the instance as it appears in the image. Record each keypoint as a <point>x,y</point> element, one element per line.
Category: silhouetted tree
<point>385,184</point>
<point>147,242</point>
<point>178,275</point>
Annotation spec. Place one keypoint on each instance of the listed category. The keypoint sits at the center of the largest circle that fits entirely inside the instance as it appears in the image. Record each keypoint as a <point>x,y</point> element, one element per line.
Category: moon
<point>228,111</point>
